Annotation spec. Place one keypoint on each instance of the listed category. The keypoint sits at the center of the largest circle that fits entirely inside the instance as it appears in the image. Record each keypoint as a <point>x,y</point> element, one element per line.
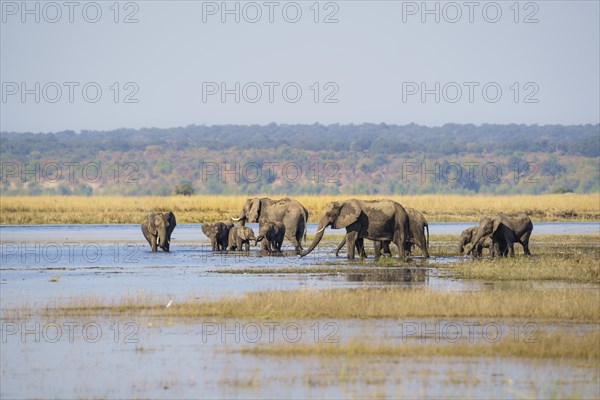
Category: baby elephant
<point>240,236</point>
<point>272,233</point>
<point>218,233</point>
<point>466,241</point>
<point>157,228</point>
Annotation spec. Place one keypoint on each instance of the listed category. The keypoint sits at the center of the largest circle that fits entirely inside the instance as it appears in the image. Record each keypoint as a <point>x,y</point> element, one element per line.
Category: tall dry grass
<point>194,209</point>
<point>560,344</point>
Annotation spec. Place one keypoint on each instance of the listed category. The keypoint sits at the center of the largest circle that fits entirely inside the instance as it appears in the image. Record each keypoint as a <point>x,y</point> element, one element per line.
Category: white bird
<point>169,303</point>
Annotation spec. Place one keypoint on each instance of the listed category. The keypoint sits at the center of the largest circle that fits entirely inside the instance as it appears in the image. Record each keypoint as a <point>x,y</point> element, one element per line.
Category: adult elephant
<point>377,220</point>
<point>417,227</point>
<point>157,228</point>
<point>288,211</point>
<point>505,231</point>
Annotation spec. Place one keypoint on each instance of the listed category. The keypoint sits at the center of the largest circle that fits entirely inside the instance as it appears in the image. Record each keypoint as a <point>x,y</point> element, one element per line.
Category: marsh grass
<point>363,303</point>
<point>195,209</point>
<point>538,268</point>
<point>566,258</point>
<point>562,344</point>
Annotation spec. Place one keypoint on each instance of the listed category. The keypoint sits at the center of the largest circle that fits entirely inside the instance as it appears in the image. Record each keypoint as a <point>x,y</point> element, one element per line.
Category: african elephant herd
<point>381,221</point>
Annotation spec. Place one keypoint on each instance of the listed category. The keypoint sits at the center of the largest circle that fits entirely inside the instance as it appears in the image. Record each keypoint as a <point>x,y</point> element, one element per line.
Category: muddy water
<point>193,359</point>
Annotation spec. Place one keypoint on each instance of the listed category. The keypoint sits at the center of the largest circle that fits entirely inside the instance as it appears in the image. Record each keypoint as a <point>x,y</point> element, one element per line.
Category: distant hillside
<point>305,159</point>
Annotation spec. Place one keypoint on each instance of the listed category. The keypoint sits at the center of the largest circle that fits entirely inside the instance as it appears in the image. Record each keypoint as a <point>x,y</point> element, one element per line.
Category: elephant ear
<point>349,213</point>
<point>497,223</point>
<point>171,220</point>
<point>255,209</point>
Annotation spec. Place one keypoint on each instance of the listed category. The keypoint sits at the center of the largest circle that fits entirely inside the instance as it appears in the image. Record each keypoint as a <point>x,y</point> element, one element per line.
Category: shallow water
<point>189,359</point>
<point>201,359</point>
<point>43,262</point>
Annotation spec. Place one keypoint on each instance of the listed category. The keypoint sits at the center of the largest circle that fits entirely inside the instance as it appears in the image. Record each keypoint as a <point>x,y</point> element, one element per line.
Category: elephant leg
<point>525,243</point>
<point>406,248</point>
<point>361,244</point>
<point>342,244</point>
<point>360,248</point>
<point>351,238</point>
<point>295,242</point>
<point>511,249</point>
<point>386,248</point>
<point>377,249</point>
<point>399,242</point>
<point>423,246</point>
<point>154,245</point>
<point>265,246</point>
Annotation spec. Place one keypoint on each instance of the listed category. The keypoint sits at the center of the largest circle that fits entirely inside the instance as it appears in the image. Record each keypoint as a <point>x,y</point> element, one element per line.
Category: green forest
<point>304,159</point>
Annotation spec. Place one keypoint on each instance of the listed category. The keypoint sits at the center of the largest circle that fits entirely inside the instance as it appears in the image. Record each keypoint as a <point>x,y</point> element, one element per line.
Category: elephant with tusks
<point>377,220</point>
<point>157,228</point>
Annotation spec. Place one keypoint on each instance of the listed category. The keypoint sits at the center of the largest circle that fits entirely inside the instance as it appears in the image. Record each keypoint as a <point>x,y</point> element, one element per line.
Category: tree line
<point>305,159</point>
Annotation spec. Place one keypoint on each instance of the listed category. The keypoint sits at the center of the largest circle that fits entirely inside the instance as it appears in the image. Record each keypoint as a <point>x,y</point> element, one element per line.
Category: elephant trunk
<point>475,241</point>
<point>161,237</point>
<point>316,240</point>
<point>258,239</point>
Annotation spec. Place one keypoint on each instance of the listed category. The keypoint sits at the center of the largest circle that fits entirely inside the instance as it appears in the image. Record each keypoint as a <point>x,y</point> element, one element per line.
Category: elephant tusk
<point>320,230</point>
<point>235,219</point>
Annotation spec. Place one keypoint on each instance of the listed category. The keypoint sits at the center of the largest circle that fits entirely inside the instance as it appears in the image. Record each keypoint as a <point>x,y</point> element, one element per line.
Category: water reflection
<point>396,275</point>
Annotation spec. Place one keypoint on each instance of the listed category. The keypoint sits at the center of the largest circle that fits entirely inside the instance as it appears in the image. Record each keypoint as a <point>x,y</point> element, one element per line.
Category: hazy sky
<point>383,61</point>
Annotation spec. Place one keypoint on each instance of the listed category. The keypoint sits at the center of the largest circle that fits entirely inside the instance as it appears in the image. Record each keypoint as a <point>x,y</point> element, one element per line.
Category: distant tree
<point>184,189</point>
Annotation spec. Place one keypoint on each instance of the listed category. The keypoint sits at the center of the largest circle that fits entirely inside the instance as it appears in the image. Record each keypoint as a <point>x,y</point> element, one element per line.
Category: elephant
<point>377,220</point>
<point>240,237</point>
<point>466,240</point>
<point>218,233</point>
<point>272,233</point>
<point>157,228</point>
<point>290,212</point>
<point>417,226</point>
<point>505,231</point>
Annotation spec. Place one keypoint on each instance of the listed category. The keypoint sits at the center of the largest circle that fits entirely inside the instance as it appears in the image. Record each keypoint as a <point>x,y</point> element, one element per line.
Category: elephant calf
<point>240,237</point>
<point>272,233</point>
<point>157,228</point>
<point>218,233</point>
<point>467,240</point>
